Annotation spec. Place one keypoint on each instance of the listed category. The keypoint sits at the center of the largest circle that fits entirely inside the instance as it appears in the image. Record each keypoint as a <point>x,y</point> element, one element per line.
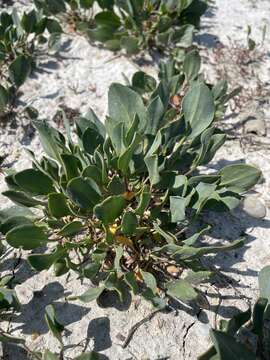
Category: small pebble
<point>254,207</point>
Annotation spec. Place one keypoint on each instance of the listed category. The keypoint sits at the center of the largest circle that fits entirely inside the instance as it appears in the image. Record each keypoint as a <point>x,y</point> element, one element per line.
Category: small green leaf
<point>44,261</point>
<point>110,209</point>
<point>152,166</point>
<point>27,237</point>
<point>20,198</point>
<point>89,295</point>
<point>20,69</point>
<point>150,280</point>
<point>53,26</point>
<point>228,348</point>
<point>239,177</point>
<point>12,222</point>
<point>264,282</point>
<point>181,290</point>
<point>29,21</point>
<point>144,201</point>
<point>129,223</point>
<point>124,103</point>
<point>57,204</point>
<point>84,192</point>
<point>192,65</point>
<point>49,356</point>
<point>177,207</point>
<point>71,229</point>
<point>4,97</point>
<point>198,108</point>
<point>130,44</point>
<point>55,327</point>
<point>34,182</point>
<point>89,356</point>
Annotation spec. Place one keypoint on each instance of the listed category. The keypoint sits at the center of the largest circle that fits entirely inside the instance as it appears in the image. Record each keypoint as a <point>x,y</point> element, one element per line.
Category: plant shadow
<point>32,320</point>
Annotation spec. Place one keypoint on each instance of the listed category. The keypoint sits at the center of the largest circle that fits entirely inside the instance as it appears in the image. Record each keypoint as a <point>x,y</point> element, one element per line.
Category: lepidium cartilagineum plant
<point>22,39</point>
<point>131,25</point>
<point>115,206</point>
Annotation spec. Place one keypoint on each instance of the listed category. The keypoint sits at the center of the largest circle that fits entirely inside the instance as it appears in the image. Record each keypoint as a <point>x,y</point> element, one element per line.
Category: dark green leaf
<point>27,237</point>
<point>110,209</point>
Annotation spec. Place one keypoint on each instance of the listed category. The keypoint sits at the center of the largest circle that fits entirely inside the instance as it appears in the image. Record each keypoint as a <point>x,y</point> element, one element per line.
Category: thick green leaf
<point>49,356</point>
<point>177,207</point>
<point>71,229</point>
<point>53,26</point>
<point>84,192</point>
<point>152,166</point>
<point>20,198</point>
<point>19,70</point>
<point>116,186</point>
<point>27,237</point>
<point>155,112</point>
<point>124,103</point>
<point>34,182</point>
<point>55,327</point>
<point>12,222</point>
<point>228,348</point>
<point>91,140</point>
<point>192,65</point>
<point>89,356</point>
<point>110,209</point>
<point>150,280</point>
<point>57,204</point>
<point>4,97</point>
<point>130,44</point>
<point>144,201</point>
<point>89,295</point>
<point>239,177</point>
<point>108,19</point>
<point>125,158</point>
<point>198,108</point>
<point>29,21</point>
<point>48,139</point>
<point>44,261</point>
<point>129,223</point>
<point>181,290</point>
<point>264,282</point>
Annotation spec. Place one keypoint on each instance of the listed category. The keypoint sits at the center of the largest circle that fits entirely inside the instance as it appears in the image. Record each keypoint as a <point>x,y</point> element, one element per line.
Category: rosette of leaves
<point>115,206</point>
<point>135,25</point>
<point>21,39</point>
<point>255,324</point>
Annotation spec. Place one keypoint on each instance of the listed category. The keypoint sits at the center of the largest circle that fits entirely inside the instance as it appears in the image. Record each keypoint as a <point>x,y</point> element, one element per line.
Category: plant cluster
<point>255,323</point>
<point>21,39</point>
<point>132,25</point>
<point>116,205</point>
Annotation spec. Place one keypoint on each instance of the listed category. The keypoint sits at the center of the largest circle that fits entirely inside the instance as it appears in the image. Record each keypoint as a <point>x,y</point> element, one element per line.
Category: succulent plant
<point>132,25</point>
<point>135,25</point>
<point>21,38</point>
<point>116,205</point>
<point>226,345</point>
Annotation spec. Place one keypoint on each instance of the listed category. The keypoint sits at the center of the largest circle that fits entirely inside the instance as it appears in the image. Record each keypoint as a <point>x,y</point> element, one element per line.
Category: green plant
<point>115,206</point>
<point>136,25</point>
<point>256,324</point>
<point>132,25</point>
<point>21,40</point>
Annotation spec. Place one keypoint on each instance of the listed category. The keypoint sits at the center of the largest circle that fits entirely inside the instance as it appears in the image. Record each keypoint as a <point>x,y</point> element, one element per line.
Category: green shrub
<point>132,25</point>
<point>21,38</point>
<point>256,323</point>
<point>115,206</point>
